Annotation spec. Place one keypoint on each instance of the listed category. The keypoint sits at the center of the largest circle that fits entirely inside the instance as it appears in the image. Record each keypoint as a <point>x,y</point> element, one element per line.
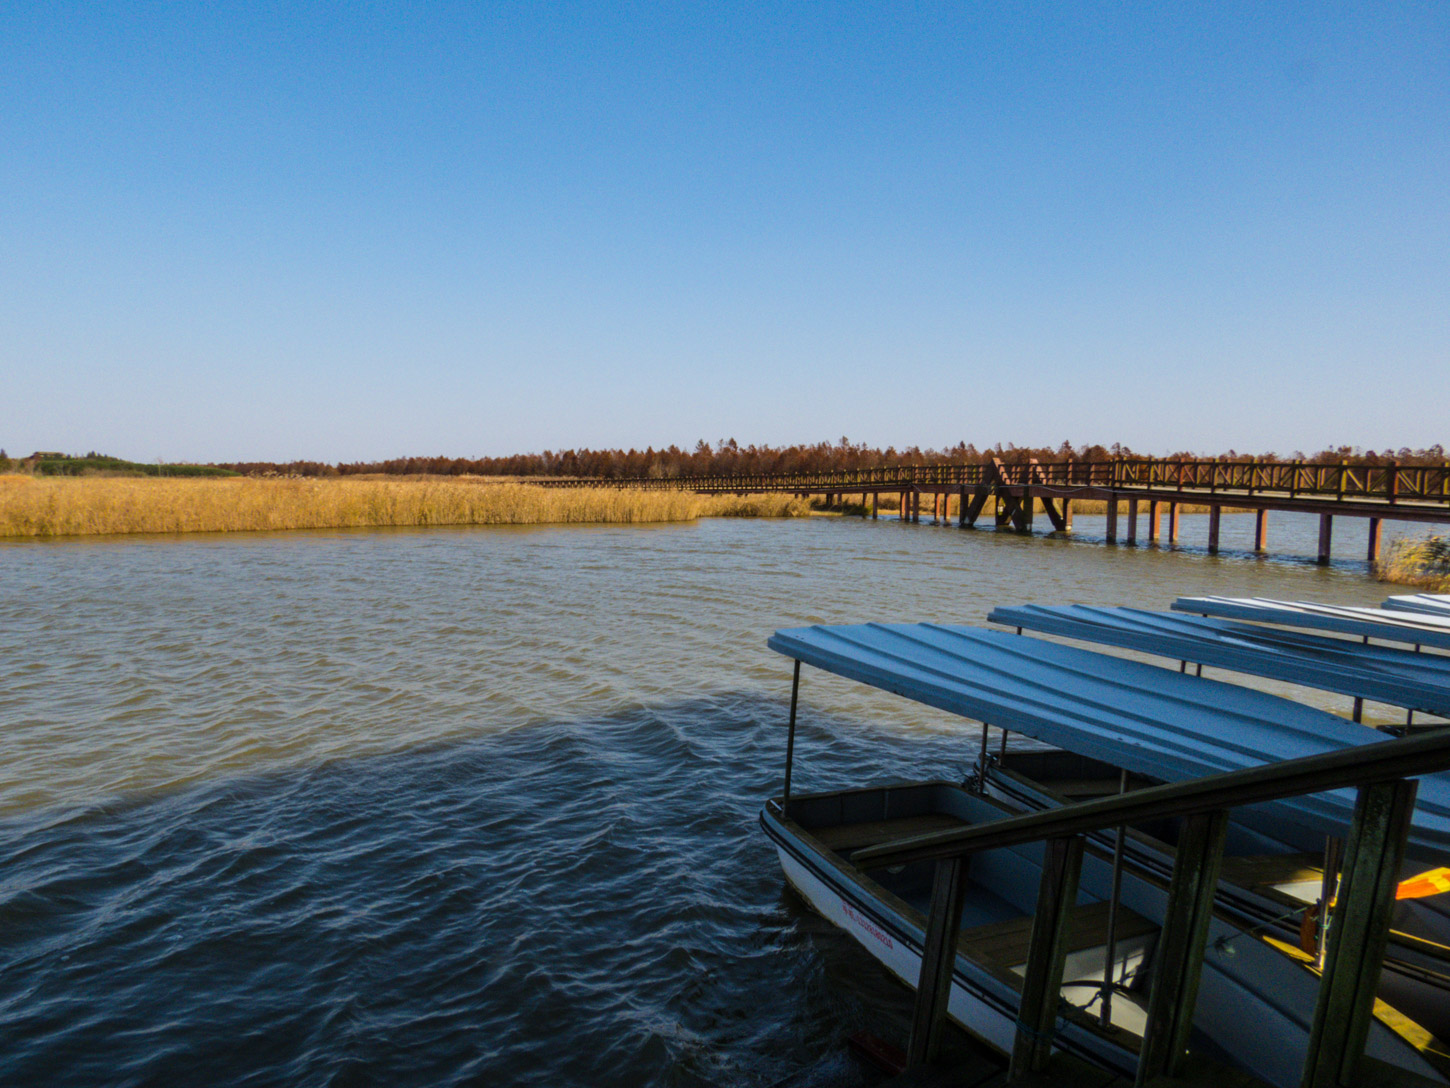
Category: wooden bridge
<point>1013,491</point>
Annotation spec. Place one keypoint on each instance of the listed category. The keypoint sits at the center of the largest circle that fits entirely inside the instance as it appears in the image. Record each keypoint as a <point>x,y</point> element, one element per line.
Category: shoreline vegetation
<point>59,506</point>
<point>1417,561</point>
<point>55,506</point>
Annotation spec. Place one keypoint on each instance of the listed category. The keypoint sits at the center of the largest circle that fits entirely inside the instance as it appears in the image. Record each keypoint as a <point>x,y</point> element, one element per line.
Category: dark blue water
<point>464,807</point>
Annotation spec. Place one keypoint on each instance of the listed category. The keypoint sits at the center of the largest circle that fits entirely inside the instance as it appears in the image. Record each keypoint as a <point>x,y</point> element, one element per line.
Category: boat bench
<point>844,838</point>
<point>1003,945</point>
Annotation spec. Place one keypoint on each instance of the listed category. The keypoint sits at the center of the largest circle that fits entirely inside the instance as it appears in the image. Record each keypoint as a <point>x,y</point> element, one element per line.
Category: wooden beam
<point>1059,523</point>
<point>1359,933</point>
<point>938,962</point>
<point>979,499</point>
<point>1046,955</point>
<point>1178,957</point>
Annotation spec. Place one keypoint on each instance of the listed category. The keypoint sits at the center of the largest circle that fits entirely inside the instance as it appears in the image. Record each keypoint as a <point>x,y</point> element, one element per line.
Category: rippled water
<point>472,806</point>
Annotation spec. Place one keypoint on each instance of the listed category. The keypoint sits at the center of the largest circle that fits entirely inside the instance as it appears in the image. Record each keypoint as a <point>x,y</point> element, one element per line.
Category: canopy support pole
<point>1111,952</point>
<point>795,689</point>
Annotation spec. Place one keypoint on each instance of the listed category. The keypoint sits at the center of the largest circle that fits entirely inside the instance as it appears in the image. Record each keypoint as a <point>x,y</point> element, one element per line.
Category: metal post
<point>1360,932</point>
<point>982,763</point>
<point>1179,956</point>
<point>1046,955</point>
<point>795,688</point>
<point>1117,888</point>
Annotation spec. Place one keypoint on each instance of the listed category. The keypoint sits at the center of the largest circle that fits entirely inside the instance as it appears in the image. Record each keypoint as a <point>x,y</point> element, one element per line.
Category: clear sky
<point>352,231</point>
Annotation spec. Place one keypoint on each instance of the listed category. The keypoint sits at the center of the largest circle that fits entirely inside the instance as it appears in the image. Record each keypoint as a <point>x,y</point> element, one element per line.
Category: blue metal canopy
<point>1381,673</point>
<point>1382,623</point>
<point>1436,604</point>
<point>1150,720</point>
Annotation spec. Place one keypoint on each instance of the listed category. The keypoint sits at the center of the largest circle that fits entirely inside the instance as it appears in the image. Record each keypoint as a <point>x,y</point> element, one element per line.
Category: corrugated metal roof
<point>1381,673</point>
<point>1436,604</point>
<point>1155,721</point>
<point>1382,623</point>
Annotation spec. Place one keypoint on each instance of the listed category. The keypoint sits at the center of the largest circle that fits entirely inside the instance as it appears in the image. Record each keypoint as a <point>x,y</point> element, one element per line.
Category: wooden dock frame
<point>1416,493</point>
<point>1344,1010</point>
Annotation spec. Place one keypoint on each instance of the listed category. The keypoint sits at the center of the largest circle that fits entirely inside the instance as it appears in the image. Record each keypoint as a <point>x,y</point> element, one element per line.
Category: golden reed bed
<point>87,506</point>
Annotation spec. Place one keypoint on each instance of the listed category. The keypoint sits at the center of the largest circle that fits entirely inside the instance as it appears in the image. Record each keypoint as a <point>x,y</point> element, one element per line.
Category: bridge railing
<point>1388,482</point>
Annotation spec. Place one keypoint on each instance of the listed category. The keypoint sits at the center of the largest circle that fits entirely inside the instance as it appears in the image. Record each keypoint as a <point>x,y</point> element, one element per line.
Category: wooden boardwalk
<point>1148,489</point>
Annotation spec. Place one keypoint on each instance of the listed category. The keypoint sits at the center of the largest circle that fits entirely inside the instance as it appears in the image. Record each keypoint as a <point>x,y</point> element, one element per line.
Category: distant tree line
<point>729,457</point>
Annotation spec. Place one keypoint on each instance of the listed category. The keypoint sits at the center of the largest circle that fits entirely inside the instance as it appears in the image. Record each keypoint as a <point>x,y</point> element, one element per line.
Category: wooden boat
<point>1256,998</point>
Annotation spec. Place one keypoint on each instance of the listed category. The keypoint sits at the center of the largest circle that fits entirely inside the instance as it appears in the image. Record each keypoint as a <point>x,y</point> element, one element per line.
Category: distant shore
<point>94,506</point>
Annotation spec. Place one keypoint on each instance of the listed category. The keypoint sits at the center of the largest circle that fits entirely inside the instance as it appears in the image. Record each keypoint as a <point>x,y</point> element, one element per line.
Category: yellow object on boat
<point>1430,882</point>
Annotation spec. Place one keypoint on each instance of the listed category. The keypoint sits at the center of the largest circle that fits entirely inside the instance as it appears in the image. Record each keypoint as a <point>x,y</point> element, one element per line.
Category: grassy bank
<point>65,506</point>
<point>1422,561</point>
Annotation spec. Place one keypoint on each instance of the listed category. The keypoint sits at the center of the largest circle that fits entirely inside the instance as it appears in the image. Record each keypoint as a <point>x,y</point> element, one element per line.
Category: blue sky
<point>247,231</point>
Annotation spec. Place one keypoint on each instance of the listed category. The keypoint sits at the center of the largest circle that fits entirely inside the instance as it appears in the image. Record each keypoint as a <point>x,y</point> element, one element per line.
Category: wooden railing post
<point>1178,958</point>
<point>1358,933</point>
<point>1046,955</point>
<point>938,961</point>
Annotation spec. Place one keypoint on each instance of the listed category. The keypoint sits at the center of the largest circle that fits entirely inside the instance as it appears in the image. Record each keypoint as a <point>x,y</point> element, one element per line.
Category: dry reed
<point>68,506</point>
<point>1417,561</point>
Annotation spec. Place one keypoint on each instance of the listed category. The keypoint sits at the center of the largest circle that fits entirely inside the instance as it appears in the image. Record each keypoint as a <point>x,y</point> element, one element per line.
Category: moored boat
<point>1255,1000</point>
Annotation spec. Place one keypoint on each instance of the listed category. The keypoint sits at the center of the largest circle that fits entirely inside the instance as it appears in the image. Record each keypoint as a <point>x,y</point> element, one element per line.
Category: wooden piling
<point>1359,934</point>
<point>875,497</point>
<point>1326,537</point>
<point>1178,959</point>
<point>1372,553</point>
<point>962,507</point>
<point>1261,530</point>
<point>1113,520</point>
<point>1154,520</point>
<point>1132,540</point>
<point>1214,512</point>
<point>915,507</point>
<point>1067,515</point>
<point>1173,523</point>
<point>938,961</point>
<point>1046,955</point>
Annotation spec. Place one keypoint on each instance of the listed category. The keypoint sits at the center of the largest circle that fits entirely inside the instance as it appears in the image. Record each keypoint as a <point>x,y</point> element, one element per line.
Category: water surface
<point>474,806</point>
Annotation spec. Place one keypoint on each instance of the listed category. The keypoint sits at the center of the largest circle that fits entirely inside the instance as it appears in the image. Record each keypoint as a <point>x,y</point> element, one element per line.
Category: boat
<point>1436,604</point>
<point>1256,994</point>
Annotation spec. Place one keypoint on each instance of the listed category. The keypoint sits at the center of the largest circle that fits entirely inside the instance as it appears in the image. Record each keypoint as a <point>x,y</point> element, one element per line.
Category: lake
<point>478,806</point>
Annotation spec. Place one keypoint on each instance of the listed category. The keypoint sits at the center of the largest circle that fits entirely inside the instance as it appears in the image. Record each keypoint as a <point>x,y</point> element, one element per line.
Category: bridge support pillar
<point>1155,522</point>
<point>875,496</point>
<point>1173,523</point>
<point>1261,530</point>
<point>915,507</point>
<point>962,507</point>
<point>903,512</point>
<point>1067,515</point>
<point>1214,513</point>
<point>1113,518</point>
<point>1326,537</point>
<point>1372,553</point>
<point>1132,523</point>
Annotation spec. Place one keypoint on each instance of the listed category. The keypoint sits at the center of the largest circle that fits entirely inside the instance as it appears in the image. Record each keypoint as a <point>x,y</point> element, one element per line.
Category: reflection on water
<point>469,806</point>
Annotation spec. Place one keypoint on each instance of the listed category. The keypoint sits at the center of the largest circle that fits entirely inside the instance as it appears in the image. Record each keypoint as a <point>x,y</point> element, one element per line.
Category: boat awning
<point>1382,623</point>
<point>1436,604</point>
<point>1151,720</point>
<point>1380,673</point>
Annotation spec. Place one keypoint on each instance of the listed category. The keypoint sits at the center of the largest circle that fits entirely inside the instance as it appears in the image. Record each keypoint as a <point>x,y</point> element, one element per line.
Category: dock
<point>1148,489</point>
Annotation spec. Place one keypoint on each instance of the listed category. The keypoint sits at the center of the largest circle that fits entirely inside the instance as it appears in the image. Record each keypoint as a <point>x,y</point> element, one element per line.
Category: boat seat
<point>1268,870</point>
<point>1003,945</point>
<point>844,838</point>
